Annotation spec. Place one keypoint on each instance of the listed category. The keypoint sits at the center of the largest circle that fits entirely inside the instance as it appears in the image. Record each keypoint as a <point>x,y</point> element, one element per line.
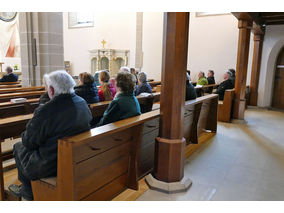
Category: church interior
<point>224,144</point>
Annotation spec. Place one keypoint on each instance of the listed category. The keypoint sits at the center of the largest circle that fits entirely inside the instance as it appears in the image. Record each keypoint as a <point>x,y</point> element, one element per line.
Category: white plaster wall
<point>152,40</point>
<point>272,44</point>
<point>213,44</point>
<point>118,29</point>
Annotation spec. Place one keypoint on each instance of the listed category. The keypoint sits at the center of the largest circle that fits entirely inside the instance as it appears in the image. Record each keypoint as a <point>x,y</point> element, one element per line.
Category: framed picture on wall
<point>202,14</point>
<point>79,20</point>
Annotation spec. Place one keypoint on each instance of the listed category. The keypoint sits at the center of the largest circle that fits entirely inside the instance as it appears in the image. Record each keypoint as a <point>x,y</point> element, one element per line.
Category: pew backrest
<point>23,89</point>
<point>10,86</point>
<point>28,95</point>
<point>225,107</point>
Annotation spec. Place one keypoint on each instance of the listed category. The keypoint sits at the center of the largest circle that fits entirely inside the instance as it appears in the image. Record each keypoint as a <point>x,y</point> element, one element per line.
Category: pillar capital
<point>245,23</point>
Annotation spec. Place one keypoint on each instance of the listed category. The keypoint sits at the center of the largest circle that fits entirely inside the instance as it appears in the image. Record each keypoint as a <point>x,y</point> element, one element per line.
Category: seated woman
<point>143,85</point>
<point>201,79</point>
<point>125,104</point>
<point>106,90</point>
<point>87,88</point>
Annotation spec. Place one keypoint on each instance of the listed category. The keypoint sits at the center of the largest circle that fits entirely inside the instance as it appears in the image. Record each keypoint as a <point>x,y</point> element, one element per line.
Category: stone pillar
<point>257,50</point>
<point>170,146</point>
<point>139,34</point>
<point>241,71</point>
<point>41,36</point>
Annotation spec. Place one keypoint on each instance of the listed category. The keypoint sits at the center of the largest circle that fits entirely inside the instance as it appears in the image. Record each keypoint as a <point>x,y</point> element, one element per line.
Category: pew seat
<point>225,106</point>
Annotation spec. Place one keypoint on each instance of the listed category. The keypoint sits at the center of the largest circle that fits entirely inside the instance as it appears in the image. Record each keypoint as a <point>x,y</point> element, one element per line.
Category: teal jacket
<point>123,106</point>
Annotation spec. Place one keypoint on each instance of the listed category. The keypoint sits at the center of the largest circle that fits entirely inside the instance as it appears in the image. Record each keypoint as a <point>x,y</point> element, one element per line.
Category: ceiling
<point>267,18</point>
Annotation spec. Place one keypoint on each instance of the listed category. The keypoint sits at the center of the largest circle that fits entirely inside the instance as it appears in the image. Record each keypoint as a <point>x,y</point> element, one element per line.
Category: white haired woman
<point>143,85</point>
<point>64,115</point>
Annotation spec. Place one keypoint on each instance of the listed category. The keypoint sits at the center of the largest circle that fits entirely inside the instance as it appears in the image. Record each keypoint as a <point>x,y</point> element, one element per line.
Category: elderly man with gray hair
<point>143,85</point>
<point>66,114</point>
<point>226,84</point>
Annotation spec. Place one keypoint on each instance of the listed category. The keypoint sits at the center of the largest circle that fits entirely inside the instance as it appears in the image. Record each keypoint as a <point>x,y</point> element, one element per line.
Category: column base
<point>169,188</point>
<point>239,121</point>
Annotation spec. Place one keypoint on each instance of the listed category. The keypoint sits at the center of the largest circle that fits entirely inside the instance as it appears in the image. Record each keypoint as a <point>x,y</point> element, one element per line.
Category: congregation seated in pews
<point>122,107</point>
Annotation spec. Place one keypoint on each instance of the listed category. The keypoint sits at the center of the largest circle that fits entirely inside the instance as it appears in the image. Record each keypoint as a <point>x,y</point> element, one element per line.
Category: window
<point>76,20</point>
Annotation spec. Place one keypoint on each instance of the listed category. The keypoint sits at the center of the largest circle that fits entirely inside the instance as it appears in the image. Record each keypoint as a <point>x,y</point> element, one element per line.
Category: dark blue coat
<point>89,92</point>
<point>144,87</point>
<point>9,78</point>
<point>64,115</point>
<point>190,92</point>
<point>123,106</point>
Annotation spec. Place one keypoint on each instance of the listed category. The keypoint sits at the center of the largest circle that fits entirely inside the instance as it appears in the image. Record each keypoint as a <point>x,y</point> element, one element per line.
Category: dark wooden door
<point>278,93</point>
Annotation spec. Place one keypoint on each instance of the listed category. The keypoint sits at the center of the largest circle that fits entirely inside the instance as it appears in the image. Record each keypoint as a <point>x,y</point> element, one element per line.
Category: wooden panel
<point>147,152</point>
<point>43,191</point>
<point>95,172</point>
<point>225,107</point>
<point>109,191</point>
<point>203,117</point>
<point>151,125</point>
<point>13,126</point>
<point>95,147</point>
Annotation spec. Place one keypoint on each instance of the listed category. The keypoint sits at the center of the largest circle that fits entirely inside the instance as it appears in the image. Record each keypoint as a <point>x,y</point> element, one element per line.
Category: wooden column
<point>257,50</point>
<point>244,26</point>
<point>170,146</point>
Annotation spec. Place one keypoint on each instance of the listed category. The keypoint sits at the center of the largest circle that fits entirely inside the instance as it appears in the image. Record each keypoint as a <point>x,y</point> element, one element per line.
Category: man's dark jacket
<point>190,92</point>
<point>227,84</point>
<point>89,92</point>
<point>211,80</point>
<point>64,115</point>
<point>9,78</point>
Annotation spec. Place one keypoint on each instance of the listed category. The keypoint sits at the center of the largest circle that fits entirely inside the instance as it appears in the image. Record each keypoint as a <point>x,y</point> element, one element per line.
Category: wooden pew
<point>200,116</point>
<point>9,109</point>
<point>23,89</point>
<point>28,95</point>
<point>98,109</point>
<point>10,127</point>
<point>154,83</point>
<point>10,86</point>
<point>225,106</point>
<point>97,164</point>
<point>9,83</point>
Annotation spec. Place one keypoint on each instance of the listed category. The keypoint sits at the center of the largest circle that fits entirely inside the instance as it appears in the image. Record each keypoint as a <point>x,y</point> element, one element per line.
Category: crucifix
<point>103,42</point>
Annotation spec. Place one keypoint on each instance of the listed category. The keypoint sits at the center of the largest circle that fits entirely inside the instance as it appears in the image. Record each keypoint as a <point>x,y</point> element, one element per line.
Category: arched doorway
<point>278,91</point>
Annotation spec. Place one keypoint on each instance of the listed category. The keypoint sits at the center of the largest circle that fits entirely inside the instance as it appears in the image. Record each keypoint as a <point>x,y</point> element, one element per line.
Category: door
<point>278,92</point>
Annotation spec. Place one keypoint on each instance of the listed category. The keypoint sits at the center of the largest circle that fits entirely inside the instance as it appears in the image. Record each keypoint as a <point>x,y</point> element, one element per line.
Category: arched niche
<point>94,65</point>
<point>117,63</point>
<point>104,63</point>
<point>268,67</point>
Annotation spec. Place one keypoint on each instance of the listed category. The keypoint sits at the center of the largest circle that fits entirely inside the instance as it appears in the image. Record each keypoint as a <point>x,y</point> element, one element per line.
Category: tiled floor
<point>242,162</point>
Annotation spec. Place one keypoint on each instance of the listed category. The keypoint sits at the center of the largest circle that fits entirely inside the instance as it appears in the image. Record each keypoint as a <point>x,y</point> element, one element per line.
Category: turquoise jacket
<point>123,106</point>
